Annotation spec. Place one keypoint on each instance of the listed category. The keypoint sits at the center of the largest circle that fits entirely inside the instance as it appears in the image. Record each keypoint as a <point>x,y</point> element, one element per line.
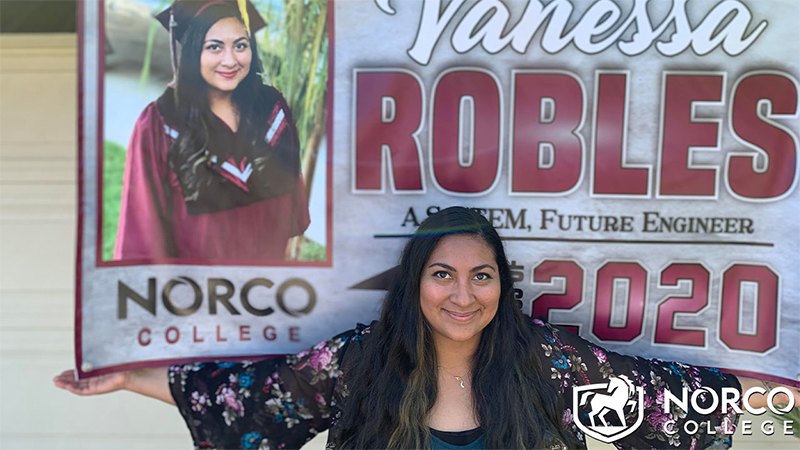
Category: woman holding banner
<point>452,363</point>
<point>213,169</point>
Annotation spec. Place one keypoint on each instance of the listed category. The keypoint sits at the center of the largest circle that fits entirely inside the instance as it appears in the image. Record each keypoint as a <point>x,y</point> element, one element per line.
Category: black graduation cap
<point>184,11</point>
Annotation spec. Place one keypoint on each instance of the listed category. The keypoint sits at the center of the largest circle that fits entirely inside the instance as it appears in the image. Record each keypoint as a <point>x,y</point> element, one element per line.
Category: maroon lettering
<point>635,277</point>
<point>144,337</point>
<point>765,336</point>
<point>572,274</point>
<point>172,331</point>
<point>194,335</point>
<point>219,337</point>
<point>388,115</point>
<point>771,174</point>
<point>666,331</point>
<point>472,97</point>
<point>611,177</point>
<point>294,334</point>
<point>547,150</point>
<point>680,133</point>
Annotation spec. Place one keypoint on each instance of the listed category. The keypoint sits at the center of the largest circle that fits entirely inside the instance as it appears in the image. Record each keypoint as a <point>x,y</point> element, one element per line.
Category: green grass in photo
<point>311,251</point>
<point>113,170</point>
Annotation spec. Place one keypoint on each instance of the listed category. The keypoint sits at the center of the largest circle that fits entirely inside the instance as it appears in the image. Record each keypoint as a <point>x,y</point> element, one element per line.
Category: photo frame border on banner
<point>100,262</point>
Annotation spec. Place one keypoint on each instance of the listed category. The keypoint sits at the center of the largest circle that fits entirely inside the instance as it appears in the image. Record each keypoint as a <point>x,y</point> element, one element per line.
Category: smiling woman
<point>225,61</point>
<point>212,171</point>
<point>451,364</point>
<point>459,289</point>
<point>458,295</point>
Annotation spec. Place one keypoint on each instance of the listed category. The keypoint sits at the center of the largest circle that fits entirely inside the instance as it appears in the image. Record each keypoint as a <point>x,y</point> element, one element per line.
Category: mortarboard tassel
<point>173,51</point>
<point>245,18</point>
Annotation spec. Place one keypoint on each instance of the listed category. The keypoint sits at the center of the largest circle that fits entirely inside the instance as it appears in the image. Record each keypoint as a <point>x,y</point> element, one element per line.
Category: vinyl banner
<point>639,159</point>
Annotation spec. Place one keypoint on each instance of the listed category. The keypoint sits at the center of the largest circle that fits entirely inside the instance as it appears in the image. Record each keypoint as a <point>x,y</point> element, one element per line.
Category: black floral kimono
<point>282,403</point>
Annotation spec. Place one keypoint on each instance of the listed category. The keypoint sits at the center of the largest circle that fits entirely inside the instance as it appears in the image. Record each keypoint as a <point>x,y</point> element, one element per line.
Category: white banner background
<point>365,38</point>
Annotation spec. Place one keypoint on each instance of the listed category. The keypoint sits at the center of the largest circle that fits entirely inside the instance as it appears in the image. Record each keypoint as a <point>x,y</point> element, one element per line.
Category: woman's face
<point>225,59</point>
<point>460,288</point>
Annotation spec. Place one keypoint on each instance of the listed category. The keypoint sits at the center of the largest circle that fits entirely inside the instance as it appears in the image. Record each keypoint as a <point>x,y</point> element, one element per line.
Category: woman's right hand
<point>152,382</point>
<point>91,386</point>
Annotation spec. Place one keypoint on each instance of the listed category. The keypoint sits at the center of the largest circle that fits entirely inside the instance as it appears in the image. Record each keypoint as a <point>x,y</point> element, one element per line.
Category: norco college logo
<point>604,407</point>
<point>603,398</point>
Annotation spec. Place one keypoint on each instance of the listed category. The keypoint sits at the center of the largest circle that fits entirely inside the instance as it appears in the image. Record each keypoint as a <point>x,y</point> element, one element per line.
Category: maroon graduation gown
<point>154,223</point>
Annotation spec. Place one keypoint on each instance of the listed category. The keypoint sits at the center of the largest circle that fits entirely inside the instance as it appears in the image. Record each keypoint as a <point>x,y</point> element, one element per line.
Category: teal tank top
<point>459,440</point>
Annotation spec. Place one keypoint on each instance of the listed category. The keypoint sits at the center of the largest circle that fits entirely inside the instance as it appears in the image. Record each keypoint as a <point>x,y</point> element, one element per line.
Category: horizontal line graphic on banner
<point>606,241</point>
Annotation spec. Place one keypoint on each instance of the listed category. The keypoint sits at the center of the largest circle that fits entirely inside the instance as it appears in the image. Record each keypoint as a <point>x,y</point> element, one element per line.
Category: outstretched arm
<point>575,364</point>
<point>277,402</point>
<point>152,382</point>
<point>762,388</point>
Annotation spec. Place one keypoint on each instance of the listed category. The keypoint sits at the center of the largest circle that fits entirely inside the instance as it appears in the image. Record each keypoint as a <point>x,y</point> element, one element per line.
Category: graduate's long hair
<point>394,384</point>
<point>191,100</point>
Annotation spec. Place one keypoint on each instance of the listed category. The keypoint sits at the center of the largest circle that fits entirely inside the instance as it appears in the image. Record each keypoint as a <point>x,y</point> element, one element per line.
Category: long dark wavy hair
<point>191,99</point>
<point>394,385</point>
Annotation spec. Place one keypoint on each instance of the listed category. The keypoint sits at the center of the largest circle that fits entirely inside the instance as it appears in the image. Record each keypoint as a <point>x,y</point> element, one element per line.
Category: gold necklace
<point>458,378</point>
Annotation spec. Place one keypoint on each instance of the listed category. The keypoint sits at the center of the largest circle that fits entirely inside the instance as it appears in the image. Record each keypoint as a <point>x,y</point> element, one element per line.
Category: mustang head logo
<point>600,399</point>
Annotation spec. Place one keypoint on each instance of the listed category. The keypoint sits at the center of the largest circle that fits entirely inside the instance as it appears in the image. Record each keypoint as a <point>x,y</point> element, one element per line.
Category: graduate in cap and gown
<point>212,170</point>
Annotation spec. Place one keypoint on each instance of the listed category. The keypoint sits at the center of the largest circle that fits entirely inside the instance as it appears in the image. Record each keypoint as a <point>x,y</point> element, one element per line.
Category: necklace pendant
<point>461,381</point>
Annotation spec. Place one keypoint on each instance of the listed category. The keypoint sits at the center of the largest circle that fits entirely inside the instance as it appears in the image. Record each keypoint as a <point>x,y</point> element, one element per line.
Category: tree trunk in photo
<point>310,165</point>
<point>297,64</point>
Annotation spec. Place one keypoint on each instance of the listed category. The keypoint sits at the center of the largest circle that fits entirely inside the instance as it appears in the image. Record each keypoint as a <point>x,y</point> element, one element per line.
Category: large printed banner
<point>639,158</point>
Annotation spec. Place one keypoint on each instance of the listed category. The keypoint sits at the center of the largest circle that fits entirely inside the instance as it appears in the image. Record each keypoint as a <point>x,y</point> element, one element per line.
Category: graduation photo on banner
<point>219,191</point>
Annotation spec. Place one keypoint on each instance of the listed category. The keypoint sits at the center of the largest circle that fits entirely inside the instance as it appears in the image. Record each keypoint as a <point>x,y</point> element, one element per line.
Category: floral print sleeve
<point>573,362</point>
<point>269,404</point>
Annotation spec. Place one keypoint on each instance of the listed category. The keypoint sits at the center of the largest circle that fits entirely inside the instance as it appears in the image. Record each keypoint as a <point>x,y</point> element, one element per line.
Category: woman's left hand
<point>758,400</point>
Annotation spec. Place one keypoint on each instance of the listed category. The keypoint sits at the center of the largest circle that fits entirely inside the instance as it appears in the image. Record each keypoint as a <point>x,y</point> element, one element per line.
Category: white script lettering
<point>725,25</point>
